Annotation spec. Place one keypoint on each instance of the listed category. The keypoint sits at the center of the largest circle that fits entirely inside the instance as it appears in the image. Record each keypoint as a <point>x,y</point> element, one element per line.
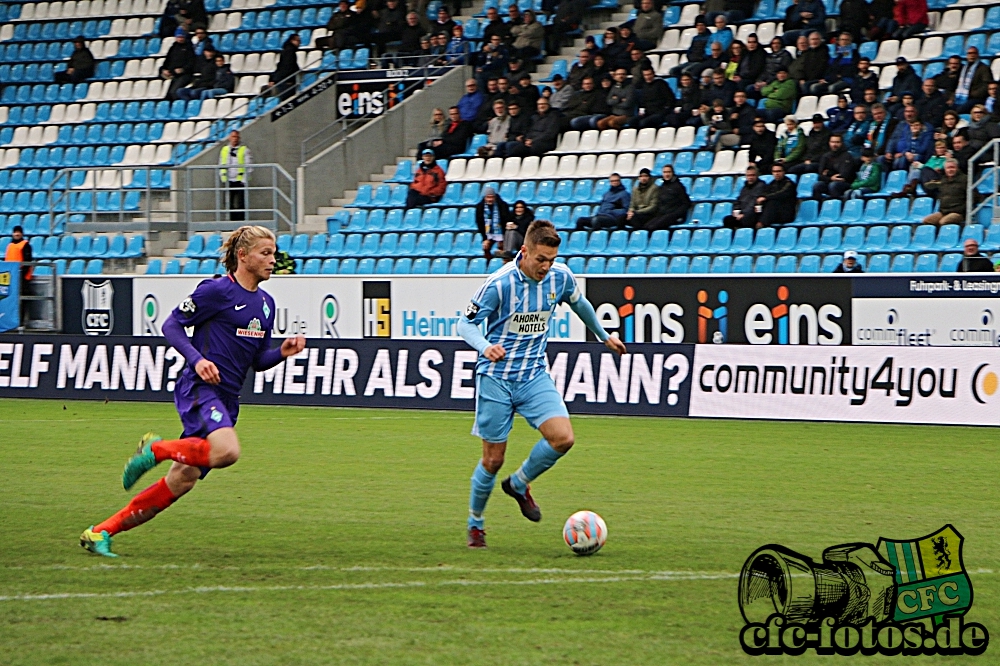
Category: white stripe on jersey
<point>534,303</point>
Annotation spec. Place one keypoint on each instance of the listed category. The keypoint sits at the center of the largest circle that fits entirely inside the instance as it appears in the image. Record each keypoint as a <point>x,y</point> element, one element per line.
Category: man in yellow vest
<point>236,160</point>
<point>20,250</point>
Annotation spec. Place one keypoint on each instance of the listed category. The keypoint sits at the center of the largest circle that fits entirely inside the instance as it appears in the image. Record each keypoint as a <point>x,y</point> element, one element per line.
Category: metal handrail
<point>271,217</point>
<point>318,141</point>
<point>973,183</point>
<point>60,201</point>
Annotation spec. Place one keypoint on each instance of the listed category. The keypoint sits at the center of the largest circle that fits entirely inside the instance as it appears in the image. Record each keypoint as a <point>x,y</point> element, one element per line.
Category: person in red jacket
<point>428,184</point>
<point>911,16</point>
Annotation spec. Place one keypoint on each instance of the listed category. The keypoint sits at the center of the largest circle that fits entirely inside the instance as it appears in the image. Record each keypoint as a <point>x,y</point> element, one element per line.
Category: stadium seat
<point>878,263</point>
<point>786,264</point>
<point>764,264</point>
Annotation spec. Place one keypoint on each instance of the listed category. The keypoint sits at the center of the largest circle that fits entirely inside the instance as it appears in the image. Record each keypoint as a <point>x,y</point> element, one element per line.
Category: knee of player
<point>493,462</point>
<point>228,455</point>
<point>563,442</point>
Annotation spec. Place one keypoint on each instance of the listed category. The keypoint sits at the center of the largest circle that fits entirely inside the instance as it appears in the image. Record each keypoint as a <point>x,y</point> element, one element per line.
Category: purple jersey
<point>232,329</point>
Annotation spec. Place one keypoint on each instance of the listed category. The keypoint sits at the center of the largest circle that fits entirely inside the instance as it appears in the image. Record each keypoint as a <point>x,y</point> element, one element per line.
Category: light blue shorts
<point>537,400</point>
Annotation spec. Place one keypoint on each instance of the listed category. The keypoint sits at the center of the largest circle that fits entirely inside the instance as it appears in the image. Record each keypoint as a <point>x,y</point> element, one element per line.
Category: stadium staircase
<point>368,230</point>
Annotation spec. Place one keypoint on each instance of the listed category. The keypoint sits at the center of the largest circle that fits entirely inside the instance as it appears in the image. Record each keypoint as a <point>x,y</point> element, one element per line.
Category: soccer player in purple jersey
<point>232,320</point>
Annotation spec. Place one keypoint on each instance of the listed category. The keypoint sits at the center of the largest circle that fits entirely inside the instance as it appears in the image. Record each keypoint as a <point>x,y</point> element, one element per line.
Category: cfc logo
<point>782,323</point>
<point>376,309</point>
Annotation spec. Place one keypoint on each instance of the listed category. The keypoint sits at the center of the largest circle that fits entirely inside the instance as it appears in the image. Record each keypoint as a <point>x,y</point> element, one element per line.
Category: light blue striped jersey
<point>517,310</point>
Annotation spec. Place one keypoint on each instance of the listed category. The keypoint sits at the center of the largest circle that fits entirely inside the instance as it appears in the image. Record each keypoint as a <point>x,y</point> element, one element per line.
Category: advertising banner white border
<point>943,386</point>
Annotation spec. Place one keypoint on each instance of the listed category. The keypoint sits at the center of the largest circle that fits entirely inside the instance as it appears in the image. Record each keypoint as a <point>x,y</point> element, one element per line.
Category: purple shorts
<point>203,409</point>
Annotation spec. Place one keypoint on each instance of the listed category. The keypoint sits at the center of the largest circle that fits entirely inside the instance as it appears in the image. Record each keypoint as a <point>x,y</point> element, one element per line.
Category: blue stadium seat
<point>311,267</point>
<point>615,266</point>
<point>330,267</point>
<point>75,267</point>
<point>854,239</point>
<point>403,266</point>
<point>384,266</point>
<point>742,241</point>
<point>172,267</point>
<point>786,264</point>
<point>700,241</point>
<point>878,263</point>
<point>809,264</point>
<point>576,264</point>
<point>805,185</point>
<point>366,266</point>
<point>721,240</point>
<point>922,207</point>
<point>742,264</point>
<point>830,262</point>
<point>403,173</point>
<point>950,262</point>
<point>363,198</point>
<point>926,263</point>
<point>348,266</point>
<point>830,240</point>
<point>973,231</point>
<point>786,240</point>
<point>658,242</point>
<point>477,266</point>
<point>947,238</point>
<point>595,266</point>
<point>763,241</point>
<point>829,212</point>
<point>721,263</point>
<point>636,265</point>
<point>764,264</point>
<point>597,242</point>
<point>679,265</point>
<point>154,267</point>
<point>899,238</point>
<point>699,265</point>
<point>638,240</point>
<point>679,241</point>
<point>657,265</point>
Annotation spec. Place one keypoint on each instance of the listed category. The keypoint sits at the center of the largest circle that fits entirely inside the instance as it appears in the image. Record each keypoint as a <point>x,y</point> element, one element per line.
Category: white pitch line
<point>350,586</point>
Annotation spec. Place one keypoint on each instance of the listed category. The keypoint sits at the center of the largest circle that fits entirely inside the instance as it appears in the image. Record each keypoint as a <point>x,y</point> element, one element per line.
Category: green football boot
<point>141,461</point>
<point>97,542</point>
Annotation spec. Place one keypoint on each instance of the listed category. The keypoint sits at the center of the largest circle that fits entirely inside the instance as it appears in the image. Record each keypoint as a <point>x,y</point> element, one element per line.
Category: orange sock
<point>190,451</point>
<point>141,509</point>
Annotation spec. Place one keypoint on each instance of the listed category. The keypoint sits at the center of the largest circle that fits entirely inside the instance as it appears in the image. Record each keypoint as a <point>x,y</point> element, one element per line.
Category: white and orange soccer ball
<point>585,532</point>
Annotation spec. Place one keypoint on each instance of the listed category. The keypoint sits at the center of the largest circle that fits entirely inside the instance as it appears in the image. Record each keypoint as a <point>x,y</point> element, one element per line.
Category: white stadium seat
<point>910,48</point>
<point>723,162</point>
<point>807,107</point>
<point>494,166</point>
<point>605,165</point>
<point>588,141</point>
<point>951,21</point>
<point>624,163</point>
<point>609,138</point>
<point>456,169</point>
<point>570,140</point>
<point>584,166</point>
<point>511,167</point>
<point>664,138</point>
<point>684,138</point>
<point>626,140</point>
<point>529,167</point>
<point>548,166</point>
<point>973,19</point>
<point>474,168</point>
<point>643,161</point>
<point>931,48</point>
<point>645,139</point>
<point>887,52</point>
<point>567,166</point>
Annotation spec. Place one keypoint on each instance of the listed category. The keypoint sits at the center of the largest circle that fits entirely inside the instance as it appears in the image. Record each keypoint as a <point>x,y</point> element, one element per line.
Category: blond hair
<point>244,238</point>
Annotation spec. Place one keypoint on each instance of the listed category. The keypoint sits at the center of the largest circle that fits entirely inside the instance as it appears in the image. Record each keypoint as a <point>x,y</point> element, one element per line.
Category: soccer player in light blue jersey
<point>516,302</point>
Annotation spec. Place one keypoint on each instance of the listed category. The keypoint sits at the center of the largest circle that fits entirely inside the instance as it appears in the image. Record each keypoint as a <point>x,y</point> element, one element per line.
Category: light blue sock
<point>482,486</point>
<point>542,457</point>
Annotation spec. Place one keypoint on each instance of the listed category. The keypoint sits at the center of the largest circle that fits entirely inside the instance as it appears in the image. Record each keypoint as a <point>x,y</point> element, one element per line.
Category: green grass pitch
<point>339,537</point>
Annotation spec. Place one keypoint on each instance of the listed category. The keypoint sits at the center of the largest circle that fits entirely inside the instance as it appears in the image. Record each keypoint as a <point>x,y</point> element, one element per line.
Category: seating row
<point>100,156</point>
<point>722,264</point>
<point>104,201</point>
<point>85,247</point>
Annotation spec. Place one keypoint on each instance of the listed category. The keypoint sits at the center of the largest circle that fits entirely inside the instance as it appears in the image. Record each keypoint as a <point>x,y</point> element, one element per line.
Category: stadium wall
<point>377,143</point>
<point>831,311</point>
<point>943,386</point>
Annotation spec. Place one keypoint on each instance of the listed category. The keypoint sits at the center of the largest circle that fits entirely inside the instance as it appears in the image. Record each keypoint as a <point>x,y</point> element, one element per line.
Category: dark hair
<point>542,232</point>
<point>868,152</point>
<point>18,229</point>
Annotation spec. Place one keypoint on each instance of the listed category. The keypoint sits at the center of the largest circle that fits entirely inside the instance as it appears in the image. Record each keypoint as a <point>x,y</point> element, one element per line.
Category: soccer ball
<point>585,532</point>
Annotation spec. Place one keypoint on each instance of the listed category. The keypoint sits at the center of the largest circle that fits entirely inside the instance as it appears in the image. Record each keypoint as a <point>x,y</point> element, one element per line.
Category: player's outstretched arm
<point>585,311</point>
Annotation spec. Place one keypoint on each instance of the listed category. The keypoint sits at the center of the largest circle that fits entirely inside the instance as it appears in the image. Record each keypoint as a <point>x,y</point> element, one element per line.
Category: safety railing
<point>138,199</point>
<point>423,68</point>
<point>39,299</point>
<point>987,159</point>
<point>218,198</point>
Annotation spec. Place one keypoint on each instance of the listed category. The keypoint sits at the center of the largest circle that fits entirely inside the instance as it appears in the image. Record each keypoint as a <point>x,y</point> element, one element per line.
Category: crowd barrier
<point>945,386</point>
